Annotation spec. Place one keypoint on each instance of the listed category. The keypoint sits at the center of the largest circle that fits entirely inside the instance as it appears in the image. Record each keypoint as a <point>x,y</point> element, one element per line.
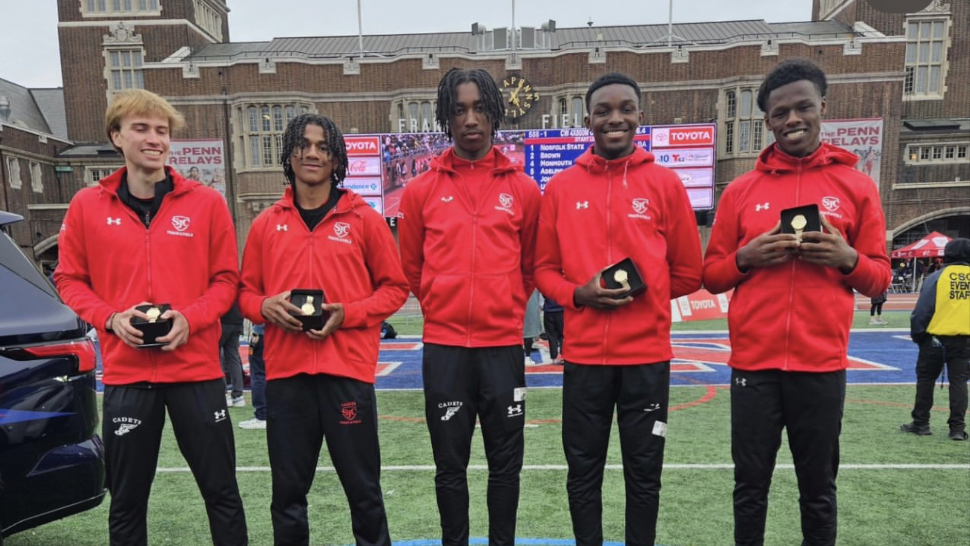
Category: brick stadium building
<point>904,70</point>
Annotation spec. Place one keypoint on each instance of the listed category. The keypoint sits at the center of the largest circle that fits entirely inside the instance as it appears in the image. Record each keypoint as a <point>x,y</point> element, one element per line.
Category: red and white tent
<point>930,246</point>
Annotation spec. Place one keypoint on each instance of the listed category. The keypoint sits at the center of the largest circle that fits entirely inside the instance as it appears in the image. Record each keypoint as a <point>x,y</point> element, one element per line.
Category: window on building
<point>36,178</point>
<point>263,131</point>
<point>102,8</point>
<point>937,153</point>
<point>926,48</point>
<point>125,69</point>
<point>94,174</point>
<point>13,173</point>
<point>744,124</point>
<point>208,18</point>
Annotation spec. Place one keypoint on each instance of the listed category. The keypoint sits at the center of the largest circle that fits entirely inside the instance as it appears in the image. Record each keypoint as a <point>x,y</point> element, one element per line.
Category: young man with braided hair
<point>616,203</point>
<point>793,301</point>
<point>467,233</point>
<point>320,383</point>
<point>143,235</point>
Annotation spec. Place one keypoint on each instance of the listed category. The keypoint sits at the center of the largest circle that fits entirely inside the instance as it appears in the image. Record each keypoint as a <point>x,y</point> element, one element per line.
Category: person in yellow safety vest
<point>940,325</point>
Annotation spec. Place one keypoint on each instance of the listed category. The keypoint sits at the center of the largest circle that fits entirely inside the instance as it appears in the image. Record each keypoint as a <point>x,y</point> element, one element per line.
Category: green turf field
<point>894,489</point>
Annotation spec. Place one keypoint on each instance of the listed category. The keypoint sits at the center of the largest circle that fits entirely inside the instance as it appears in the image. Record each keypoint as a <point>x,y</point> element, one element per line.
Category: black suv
<point>51,459</point>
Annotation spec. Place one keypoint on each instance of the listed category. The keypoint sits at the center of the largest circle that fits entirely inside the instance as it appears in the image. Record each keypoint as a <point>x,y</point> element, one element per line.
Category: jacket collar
<point>180,184</point>
<point>503,165</point>
<point>772,159</point>
<point>594,163</point>
<point>349,203</point>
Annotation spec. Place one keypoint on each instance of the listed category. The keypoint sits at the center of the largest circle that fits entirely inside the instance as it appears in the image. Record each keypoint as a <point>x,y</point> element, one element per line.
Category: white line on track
<point>562,467</point>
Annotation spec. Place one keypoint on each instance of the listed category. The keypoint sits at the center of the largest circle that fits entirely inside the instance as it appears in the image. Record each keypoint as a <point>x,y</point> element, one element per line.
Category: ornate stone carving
<point>124,33</point>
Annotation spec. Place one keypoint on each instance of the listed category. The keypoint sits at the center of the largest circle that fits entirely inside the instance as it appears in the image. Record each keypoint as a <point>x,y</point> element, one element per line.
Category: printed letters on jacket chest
<point>175,232</point>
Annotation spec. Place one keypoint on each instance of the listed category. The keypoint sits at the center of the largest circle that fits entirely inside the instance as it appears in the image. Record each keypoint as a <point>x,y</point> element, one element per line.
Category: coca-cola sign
<point>364,166</point>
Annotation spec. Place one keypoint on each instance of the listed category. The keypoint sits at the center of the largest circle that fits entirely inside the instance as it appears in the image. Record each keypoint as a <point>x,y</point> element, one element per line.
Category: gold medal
<point>153,314</point>
<point>622,277</point>
<point>798,223</point>
<point>307,306</point>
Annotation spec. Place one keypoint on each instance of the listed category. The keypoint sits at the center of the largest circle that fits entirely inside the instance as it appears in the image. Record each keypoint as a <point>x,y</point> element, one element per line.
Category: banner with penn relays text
<point>202,160</point>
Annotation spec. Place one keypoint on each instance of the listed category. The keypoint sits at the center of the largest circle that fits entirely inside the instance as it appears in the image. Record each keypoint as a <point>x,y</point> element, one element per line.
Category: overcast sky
<point>29,48</point>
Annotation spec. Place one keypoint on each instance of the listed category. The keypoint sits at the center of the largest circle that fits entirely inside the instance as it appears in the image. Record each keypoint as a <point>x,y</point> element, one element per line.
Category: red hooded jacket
<point>470,261</point>
<point>595,214</point>
<point>110,262</point>
<point>350,255</point>
<point>796,316</point>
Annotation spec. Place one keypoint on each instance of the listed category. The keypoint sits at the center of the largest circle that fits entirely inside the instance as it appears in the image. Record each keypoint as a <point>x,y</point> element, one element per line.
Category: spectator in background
<point>257,375</point>
<point>552,320</point>
<point>531,327</point>
<point>232,328</point>
<point>875,309</point>
<point>940,325</point>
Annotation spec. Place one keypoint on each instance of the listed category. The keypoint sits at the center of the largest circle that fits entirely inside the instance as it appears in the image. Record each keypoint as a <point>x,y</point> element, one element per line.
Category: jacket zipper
<point>609,251</point>
<point>791,285</point>
<point>310,268</point>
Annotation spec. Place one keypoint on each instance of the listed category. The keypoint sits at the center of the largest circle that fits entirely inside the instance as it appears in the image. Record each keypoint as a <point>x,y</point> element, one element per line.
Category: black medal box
<point>154,327</point>
<point>800,220</point>
<point>311,312</point>
<point>625,274</point>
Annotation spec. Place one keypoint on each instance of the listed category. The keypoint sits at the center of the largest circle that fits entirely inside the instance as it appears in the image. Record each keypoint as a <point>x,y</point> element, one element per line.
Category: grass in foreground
<point>878,506</point>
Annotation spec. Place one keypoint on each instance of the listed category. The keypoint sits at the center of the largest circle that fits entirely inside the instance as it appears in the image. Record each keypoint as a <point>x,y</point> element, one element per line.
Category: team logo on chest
<point>640,206</point>
<point>180,223</point>
<point>505,203</point>
<point>831,204</point>
<point>341,229</point>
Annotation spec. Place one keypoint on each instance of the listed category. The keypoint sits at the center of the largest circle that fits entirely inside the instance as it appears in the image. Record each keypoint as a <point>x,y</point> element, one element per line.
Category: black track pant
<point>459,384</point>
<point>809,406</point>
<point>303,410</point>
<point>132,432</point>
<point>954,351</point>
<point>640,395</point>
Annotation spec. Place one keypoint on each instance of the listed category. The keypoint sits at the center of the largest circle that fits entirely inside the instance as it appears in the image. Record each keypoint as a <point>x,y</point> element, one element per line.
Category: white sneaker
<point>253,424</point>
<point>238,402</point>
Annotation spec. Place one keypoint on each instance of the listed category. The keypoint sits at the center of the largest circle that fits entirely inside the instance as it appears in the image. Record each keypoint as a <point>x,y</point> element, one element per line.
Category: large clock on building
<point>519,96</point>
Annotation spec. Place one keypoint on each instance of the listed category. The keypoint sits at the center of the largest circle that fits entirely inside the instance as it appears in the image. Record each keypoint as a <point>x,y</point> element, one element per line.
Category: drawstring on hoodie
<point>626,167</point>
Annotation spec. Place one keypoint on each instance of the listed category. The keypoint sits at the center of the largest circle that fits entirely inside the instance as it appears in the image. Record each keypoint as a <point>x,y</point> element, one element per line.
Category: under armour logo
<point>447,199</point>
<point>114,221</point>
<point>282,227</point>
<point>759,207</point>
<point>220,415</point>
<point>741,381</point>
<point>582,205</point>
<point>652,407</point>
<point>514,410</point>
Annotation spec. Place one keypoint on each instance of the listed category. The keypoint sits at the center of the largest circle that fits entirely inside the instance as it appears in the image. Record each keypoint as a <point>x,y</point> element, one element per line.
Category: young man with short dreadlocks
<point>467,233</point>
<point>320,383</point>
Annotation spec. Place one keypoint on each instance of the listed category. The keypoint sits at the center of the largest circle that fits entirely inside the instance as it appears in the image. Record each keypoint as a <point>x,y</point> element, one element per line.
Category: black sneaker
<point>958,435</point>
<point>919,430</point>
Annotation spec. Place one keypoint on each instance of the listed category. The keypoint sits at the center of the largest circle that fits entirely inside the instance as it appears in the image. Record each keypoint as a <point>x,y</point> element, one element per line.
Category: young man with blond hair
<point>145,235</point>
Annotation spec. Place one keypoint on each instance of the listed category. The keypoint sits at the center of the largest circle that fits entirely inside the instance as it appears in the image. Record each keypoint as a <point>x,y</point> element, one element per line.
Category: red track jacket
<point>597,213</point>
<point>470,267</point>
<point>350,255</point>
<point>796,316</point>
<point>109,262</point>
